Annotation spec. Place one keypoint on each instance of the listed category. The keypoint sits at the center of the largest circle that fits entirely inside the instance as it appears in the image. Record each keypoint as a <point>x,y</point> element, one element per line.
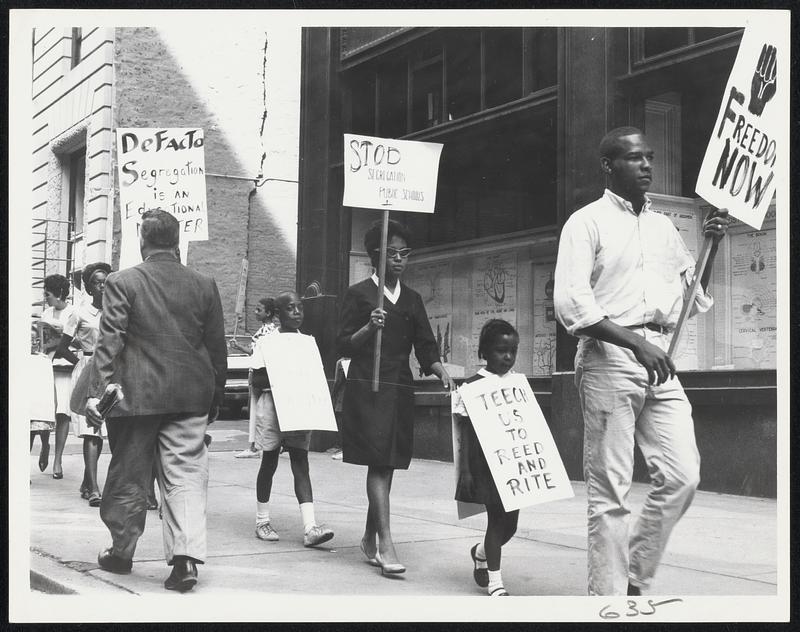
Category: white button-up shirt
<point>632,269</point>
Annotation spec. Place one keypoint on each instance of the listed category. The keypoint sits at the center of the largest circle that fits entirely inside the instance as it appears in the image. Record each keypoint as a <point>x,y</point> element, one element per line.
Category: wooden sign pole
<point>376,367</point>
<point>702,260</point>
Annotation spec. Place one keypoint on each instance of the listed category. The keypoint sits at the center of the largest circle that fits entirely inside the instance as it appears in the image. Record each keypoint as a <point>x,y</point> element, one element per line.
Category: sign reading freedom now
<point>161,168</point>
<point>390,175</point>
<point>751,135</point>
<point>522,456</point>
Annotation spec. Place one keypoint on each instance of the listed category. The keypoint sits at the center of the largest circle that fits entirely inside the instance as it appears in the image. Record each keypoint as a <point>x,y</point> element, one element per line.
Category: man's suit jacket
<point>162,338</point>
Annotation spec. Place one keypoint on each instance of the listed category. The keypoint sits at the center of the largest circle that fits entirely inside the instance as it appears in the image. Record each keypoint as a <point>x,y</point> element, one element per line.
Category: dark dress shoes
<point>113,564</point>
<point>183,576</point>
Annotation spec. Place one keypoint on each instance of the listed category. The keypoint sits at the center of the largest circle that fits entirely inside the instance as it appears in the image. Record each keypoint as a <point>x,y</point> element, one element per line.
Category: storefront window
<point>362,96</point>
<point>657,41</point>
<point>541,55</point>
<point>661,40</point>
<point>426,91</point>
<point>463,60</point>
<point>739,332</point>
<point>503,59</point>
<point>449,75</point>
<point>392,100</point>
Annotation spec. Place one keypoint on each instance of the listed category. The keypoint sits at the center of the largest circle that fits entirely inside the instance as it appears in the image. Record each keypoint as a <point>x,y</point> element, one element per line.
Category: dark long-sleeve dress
<point>378,428</point>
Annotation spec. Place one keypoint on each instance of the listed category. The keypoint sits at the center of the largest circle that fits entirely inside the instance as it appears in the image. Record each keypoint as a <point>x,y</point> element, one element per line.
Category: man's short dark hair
<point>372,238</point>
<point>159,229</point>
<point>610,147</point>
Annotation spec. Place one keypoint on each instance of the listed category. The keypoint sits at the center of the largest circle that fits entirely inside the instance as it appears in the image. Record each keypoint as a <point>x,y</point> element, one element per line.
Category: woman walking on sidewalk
<point>377,428</point>
<point>54,318</point>
<point>83,328</point>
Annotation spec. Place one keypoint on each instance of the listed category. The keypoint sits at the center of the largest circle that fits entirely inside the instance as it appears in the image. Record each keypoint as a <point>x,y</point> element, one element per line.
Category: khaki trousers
<point>620,407</point>
<point>175,441</point>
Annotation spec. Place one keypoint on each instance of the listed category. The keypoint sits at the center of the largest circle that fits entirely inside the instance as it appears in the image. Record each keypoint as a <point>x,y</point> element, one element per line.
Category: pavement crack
<point>84,568</point>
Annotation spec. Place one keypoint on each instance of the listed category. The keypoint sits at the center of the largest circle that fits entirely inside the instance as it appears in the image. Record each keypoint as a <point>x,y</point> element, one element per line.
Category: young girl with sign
<point>269,438</point>
<point>497,345</point>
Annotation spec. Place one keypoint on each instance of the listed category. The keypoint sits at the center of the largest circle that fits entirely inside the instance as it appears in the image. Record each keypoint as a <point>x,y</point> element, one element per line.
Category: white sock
<point>495,581</point>
<point>262,512</point>
<point>307,512</point>
<point>480,553</point>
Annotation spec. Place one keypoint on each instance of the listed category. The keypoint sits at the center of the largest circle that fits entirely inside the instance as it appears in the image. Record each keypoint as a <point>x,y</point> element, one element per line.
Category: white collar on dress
<point>391,295</point>
<point>486,373</point>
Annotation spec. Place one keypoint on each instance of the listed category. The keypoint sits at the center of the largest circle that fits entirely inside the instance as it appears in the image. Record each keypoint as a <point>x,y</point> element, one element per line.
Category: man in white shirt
<point>620,280</point>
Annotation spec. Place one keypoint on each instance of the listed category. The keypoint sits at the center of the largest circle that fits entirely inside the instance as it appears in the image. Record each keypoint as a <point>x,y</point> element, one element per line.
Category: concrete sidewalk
<point>725,545</point>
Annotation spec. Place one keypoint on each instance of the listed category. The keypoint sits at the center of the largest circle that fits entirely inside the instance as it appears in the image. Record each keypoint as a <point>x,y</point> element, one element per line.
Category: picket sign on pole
<point>702,261</point>
<point>240,296</point>
<point>376,366</point>
<point>384,174</point>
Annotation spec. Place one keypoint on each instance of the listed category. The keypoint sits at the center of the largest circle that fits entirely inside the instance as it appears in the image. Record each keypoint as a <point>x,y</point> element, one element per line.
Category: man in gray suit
<point>162,338</point>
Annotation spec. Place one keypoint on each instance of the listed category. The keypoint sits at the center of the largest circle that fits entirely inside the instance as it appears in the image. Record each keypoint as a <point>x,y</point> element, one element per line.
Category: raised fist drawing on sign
<point>762,88</point>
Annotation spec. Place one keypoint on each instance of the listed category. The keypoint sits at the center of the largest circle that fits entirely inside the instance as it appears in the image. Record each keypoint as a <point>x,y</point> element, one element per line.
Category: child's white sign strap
<point>749,142</point>
<point>390,175</point>
<point>516,441</point>
<point>299,387</point>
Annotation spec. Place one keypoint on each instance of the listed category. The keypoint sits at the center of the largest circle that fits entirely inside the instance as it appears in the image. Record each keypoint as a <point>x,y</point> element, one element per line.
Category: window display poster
<point>161,169</point>
<point>688,223</point>
<point>754,299</point>
<point>434,283</point>
<point>544,320</point>
<point>494,294</point>
<point>750,136</point>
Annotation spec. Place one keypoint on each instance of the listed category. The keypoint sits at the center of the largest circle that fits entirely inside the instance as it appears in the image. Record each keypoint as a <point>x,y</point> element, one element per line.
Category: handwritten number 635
<point>606,611</point>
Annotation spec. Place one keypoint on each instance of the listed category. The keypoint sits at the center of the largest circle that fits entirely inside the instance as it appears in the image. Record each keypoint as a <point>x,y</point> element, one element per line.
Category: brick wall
<point>217,82</point>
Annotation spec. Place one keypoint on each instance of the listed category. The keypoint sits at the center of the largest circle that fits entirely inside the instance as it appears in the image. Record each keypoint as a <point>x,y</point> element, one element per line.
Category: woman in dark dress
<point>378,428</point>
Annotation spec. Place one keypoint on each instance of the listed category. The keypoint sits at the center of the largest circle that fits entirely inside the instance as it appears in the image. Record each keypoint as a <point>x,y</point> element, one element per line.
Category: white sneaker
<point>247,453</point>
<point>337,456</point>
<point>264,531</point>
<point>317,535</point>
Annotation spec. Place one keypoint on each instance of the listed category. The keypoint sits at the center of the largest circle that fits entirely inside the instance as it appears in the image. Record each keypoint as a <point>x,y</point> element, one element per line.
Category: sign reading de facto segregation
<point>522,456</point>
<point>391,175</point>
<point>751,135</point>
<point>161,168</point>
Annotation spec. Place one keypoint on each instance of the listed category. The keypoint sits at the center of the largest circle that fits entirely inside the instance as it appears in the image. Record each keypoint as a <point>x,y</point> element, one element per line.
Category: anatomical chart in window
<point>494,295</point>
<point>686,221</point>
<point>434,282</point>
<point>753,299</point>
<point>544,320</point>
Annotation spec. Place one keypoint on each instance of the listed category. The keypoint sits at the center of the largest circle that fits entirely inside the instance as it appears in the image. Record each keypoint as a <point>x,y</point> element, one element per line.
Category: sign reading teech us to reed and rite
<point>750,138</point>
<point>161,168</point>
<point>522,456</point>
<point>390,175</point>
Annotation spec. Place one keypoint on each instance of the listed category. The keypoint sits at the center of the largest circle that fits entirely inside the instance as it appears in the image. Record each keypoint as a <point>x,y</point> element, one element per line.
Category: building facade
<point>520,113</point>
<point>239,82</point>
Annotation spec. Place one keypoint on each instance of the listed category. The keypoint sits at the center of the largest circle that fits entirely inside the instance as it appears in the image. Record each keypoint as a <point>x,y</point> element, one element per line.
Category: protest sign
<point>522,456</point>
<point>750,136</point>
<point>242,290</point>
<point>387,174</point>
<point>161,169</point>
<point>299,387</point>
